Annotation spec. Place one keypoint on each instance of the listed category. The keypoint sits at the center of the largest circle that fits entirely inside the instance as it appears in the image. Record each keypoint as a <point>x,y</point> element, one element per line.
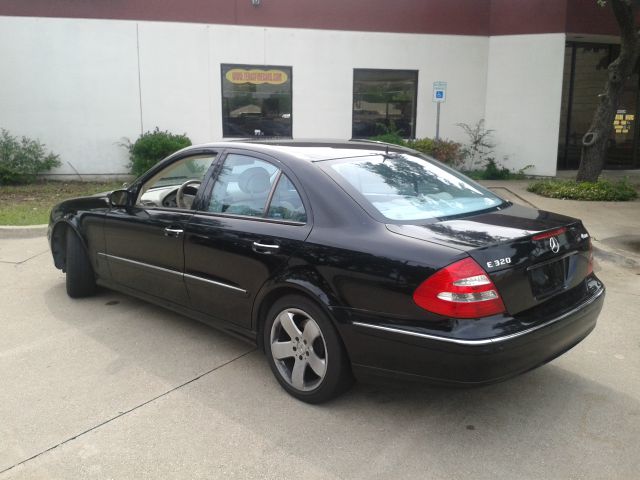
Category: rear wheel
<point>304,351</point>
<point>81,281</point>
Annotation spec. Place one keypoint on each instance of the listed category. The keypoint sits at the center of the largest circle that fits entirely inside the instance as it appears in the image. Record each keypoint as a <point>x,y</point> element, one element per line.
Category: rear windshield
<point>404,187</point>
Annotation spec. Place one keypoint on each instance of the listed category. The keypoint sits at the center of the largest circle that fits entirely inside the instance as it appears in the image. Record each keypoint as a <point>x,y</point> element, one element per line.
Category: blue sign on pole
<point>439,92</point>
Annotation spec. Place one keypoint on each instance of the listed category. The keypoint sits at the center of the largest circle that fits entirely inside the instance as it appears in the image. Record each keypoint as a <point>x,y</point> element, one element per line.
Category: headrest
<point>254,180</point>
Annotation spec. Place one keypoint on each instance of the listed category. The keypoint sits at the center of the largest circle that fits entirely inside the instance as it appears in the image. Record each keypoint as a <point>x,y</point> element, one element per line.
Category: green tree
<point>594,142</point>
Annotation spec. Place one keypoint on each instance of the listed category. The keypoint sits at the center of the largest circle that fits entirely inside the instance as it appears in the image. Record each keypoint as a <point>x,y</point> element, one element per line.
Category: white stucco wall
<point>82,86</point>
<point>73,85</point>
<point>524,91</point>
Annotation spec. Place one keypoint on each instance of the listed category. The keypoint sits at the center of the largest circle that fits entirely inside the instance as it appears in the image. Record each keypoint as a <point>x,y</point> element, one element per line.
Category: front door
<point>251,222</point>
<point>145,243</point>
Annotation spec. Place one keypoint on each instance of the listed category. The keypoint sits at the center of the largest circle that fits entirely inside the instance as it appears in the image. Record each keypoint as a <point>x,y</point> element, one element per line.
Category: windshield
<point>404,187</point>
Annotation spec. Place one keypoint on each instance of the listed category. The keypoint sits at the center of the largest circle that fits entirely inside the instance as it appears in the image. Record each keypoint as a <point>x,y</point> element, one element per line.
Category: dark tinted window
<point>256,101</point>
<point>383,101</point>
<point>286,203</point>
<point>243,186</point>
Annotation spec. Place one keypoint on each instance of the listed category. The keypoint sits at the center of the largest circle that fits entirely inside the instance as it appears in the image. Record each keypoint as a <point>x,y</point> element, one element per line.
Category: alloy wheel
<point>299,349</point>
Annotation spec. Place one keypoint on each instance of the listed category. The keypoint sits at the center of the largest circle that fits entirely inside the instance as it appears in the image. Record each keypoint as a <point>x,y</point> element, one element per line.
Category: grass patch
<point>31,204</point>
<point>602,190</point>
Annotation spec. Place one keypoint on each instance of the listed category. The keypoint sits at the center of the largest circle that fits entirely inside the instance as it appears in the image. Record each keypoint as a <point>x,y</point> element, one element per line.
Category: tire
<point>81,281</point>
<point>304,351</point>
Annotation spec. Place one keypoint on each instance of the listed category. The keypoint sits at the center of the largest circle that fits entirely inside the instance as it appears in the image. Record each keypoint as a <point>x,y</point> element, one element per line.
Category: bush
<point>446,151</point>
<point>393,138</point>
<point>494,171</point>
<point>572,190</point>
<point>151,147</point>
<point>22,160</point>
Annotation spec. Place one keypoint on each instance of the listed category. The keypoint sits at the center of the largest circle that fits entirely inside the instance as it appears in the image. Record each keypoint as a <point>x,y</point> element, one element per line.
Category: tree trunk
<point>596,140</point>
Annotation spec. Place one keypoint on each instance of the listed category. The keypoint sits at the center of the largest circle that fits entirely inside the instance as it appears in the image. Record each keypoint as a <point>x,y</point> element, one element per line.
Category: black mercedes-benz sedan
<point>340,259</point>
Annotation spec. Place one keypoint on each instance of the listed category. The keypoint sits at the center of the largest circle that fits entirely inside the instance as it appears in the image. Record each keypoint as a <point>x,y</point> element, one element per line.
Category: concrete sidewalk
<point>614,226</point>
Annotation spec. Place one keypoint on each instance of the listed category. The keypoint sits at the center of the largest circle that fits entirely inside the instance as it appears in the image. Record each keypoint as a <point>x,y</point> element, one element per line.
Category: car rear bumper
<point>383,350</point>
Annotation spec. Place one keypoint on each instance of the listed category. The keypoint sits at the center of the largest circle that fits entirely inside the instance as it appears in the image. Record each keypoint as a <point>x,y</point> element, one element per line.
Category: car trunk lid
<point>531,255</point>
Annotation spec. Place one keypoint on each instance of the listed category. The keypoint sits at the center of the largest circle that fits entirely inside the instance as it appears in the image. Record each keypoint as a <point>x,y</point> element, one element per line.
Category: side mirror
<point>119,198</point>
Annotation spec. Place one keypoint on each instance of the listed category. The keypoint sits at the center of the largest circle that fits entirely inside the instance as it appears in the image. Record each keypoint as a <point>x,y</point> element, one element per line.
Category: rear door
<point>252,219</point>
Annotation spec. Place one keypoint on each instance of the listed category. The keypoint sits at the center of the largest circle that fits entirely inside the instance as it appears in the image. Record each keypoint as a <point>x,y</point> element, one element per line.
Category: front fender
<point>58,232</point>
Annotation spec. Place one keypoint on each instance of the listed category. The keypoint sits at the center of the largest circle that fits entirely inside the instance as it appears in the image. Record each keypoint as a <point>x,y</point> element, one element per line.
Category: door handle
<point>173,232</point>
<point>264,247</point>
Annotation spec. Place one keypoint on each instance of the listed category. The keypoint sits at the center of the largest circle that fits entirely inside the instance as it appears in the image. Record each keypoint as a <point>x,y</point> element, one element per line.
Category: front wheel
<point>304,351</point>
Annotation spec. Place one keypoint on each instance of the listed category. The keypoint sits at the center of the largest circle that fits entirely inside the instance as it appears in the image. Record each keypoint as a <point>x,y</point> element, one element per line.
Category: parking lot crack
<point>126,412</point>
<point>23,261</point>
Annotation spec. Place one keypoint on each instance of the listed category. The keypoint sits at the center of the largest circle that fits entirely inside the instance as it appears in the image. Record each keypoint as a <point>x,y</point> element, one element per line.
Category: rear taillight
<point>461,290</point>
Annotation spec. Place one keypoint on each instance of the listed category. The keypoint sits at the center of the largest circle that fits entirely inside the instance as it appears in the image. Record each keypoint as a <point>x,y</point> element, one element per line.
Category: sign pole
<point>439,96</point>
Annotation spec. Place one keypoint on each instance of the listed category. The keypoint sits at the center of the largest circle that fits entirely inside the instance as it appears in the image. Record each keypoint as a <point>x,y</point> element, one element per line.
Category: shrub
<point>478,151</point>
<point>494,171</point>
<point>572,190</point>
<point>393,138</point>
<point>151,147</point>
<point>446,151</point>
<point>22,160</point>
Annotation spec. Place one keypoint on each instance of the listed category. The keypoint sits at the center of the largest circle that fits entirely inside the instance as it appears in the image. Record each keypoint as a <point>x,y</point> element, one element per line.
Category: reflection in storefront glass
<point>584,80</point>
<point>384,101</point>
<point>256,101</point>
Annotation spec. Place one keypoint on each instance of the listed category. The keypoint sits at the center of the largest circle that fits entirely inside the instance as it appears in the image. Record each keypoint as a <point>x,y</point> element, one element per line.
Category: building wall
<point>85,86</point>
<point>73,85</point>
<point>524,91</point>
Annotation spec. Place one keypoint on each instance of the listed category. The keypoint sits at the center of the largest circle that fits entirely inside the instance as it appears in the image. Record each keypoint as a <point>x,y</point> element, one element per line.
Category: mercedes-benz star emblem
<point>554,244</point>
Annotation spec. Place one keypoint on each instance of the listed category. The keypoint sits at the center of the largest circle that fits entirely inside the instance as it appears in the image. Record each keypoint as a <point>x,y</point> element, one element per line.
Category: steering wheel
<point>181,201</point>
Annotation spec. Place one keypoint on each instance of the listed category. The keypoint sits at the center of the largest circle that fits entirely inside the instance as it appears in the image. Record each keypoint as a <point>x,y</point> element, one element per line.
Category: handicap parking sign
<point>439,92</point>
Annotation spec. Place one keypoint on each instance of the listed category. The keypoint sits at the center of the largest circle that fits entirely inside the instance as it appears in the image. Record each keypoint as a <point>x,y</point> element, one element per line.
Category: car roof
<point>313,150</point>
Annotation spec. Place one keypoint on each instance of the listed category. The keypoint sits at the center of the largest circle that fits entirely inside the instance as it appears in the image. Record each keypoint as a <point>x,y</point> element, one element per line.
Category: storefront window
<point>384,101</point>
<point>585,75</point>
<point>256,101</point>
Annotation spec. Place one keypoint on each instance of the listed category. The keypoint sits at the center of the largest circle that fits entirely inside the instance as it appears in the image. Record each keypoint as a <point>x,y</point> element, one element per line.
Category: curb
<point>26,231</point>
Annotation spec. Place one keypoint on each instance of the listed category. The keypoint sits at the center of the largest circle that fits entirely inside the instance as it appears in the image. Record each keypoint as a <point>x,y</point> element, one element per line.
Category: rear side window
<point>286,203</point>
<point>243,186</point>
<point>404,187</point>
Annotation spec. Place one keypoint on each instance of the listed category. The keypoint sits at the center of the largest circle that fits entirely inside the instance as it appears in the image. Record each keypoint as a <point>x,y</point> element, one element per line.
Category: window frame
<point>261,67</point>
<point>415,95</point>
<point>282,169</point>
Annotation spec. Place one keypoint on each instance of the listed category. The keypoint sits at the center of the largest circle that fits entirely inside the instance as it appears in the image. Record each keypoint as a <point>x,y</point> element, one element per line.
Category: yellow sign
<point>623,121</point>
<point>256,76</point>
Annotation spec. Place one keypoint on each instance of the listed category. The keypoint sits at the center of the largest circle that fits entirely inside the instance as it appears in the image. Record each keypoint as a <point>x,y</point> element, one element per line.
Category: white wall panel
<point>175,82</point>
<point>72,84</point>
<point>524,90</point>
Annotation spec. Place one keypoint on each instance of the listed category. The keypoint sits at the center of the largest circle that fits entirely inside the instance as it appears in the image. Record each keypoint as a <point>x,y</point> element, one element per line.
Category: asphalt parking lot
<point>112,387</point>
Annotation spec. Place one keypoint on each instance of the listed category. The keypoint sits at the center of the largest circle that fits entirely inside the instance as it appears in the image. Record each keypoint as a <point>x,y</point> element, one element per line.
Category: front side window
<point>256,101</point>
<point>384,101</point>
<point>408,188</point>
<point>162,188</point>
<point>243,186</point>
